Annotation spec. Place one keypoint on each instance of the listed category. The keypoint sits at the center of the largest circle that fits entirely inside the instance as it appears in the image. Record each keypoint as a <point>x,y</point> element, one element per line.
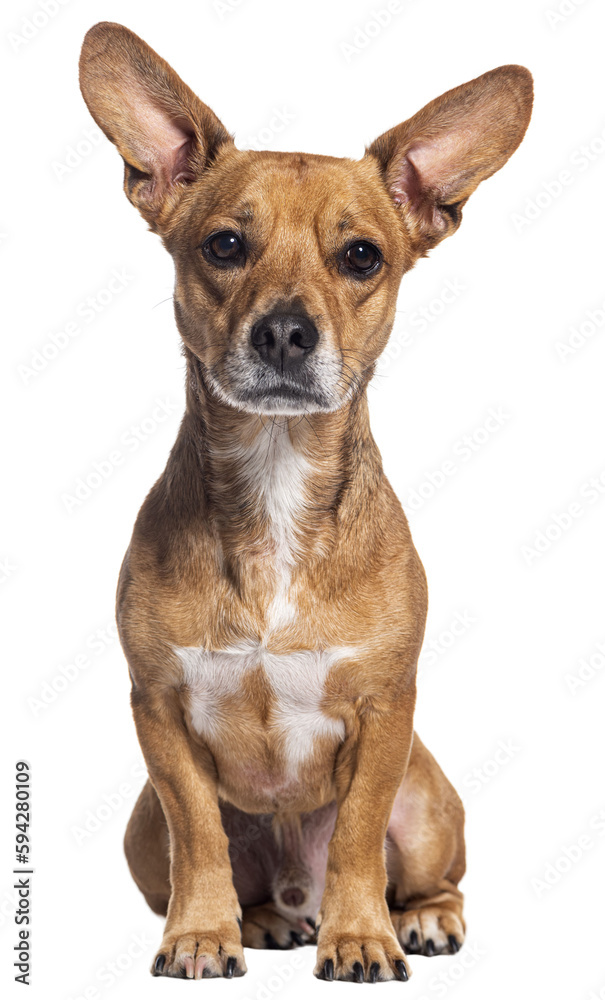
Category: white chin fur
<point>285,407</point>
<point>272,405</point>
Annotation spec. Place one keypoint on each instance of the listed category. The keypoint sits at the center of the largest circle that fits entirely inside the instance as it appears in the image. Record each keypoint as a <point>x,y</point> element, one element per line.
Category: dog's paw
<point>432,930</point>
<point>265,927</point>
<point>200,955</point>
<point>370,958</point>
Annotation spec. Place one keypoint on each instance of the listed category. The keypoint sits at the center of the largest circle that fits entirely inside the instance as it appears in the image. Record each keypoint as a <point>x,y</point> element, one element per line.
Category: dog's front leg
<point>202,935</point>
<point>356,938</point>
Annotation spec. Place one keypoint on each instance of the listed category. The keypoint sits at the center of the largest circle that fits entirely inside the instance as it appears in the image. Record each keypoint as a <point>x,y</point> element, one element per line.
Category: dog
<point>271,604</point>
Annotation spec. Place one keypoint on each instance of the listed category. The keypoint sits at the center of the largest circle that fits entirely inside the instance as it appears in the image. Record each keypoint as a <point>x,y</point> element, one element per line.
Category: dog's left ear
<point>433,162</point>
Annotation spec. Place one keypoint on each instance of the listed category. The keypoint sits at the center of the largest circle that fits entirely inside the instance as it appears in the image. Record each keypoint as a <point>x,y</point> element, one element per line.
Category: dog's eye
<point>224,248</point>
<point>362,257</point>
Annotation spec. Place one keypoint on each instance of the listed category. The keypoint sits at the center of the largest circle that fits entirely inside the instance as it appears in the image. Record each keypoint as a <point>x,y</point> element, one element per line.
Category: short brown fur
<point>203,569</point>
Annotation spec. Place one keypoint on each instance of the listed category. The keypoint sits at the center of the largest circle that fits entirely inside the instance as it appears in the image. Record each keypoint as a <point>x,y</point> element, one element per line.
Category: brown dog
<point>272,604</point>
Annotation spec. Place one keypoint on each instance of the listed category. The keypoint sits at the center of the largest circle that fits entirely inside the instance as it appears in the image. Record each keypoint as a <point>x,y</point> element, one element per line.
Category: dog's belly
<point>261,715</point>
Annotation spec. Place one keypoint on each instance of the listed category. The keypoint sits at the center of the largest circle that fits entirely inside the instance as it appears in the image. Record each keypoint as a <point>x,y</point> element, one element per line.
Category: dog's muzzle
<point>283,364</point>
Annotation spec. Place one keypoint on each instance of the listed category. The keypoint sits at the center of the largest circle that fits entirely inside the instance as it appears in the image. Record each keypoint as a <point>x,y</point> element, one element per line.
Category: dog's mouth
<point>284,399</point>
<point>256,388</point>
<point>287,394</point>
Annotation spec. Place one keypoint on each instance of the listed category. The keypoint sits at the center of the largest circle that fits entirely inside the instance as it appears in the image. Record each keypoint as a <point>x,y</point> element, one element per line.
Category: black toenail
<point>453,943</point>
<point>296,938</point>
<point>231,963</point>
<point>374,970</point>
<point>159,965</point>
<point>430,947</point>
<point>270,941</point>
<point>311,922</point>
<point>329,969</point>
<point>358,972</point>
<point>401,970</point>
<point>413,939</point>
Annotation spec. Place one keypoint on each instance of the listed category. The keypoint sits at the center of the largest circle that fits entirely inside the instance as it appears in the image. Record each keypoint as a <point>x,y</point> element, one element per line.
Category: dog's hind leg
<point>426,859</point>
<point>147,849</point>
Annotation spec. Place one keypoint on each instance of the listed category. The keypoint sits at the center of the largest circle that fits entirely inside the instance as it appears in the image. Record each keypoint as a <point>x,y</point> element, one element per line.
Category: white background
<point>531,618</point>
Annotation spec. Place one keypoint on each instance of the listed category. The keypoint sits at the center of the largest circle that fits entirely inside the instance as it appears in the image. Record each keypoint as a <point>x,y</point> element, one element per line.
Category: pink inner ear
<point>429,174</point>
<point>163,144</point>
<point>433,166</point>
<point>181,163</point>
<point>405,185</point>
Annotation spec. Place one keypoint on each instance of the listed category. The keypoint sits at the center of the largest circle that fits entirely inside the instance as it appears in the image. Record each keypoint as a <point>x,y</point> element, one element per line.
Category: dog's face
<point>287,270</point>
<point>288,264</point>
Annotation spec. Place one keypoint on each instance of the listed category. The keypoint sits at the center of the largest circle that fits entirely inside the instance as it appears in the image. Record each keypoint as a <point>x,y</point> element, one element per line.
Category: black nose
<point>284,339</point>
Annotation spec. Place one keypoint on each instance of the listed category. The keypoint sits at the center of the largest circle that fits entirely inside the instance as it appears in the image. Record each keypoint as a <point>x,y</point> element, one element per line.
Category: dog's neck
<point>273,485</point>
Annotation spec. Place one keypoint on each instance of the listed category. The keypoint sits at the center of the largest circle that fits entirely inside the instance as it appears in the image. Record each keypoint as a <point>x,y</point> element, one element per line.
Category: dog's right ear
<point>165,134</point>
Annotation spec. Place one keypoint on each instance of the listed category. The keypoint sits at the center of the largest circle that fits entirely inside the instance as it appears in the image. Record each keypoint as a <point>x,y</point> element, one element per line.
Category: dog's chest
<point>227,690</point>
<point>273,477</point>
<point>244,688</point>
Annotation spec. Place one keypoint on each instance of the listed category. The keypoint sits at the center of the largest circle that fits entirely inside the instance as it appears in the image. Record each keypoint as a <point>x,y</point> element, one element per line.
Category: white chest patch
<point>297,680</point>
<point>275,473</point>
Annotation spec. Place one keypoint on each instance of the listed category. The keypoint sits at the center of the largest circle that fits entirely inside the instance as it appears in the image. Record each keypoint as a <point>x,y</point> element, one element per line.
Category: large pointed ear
<point>433,162</point>
<point>166,136</point>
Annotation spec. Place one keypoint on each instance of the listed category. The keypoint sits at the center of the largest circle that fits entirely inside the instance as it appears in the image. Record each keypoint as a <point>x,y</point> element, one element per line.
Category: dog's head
<point>288,264</point>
